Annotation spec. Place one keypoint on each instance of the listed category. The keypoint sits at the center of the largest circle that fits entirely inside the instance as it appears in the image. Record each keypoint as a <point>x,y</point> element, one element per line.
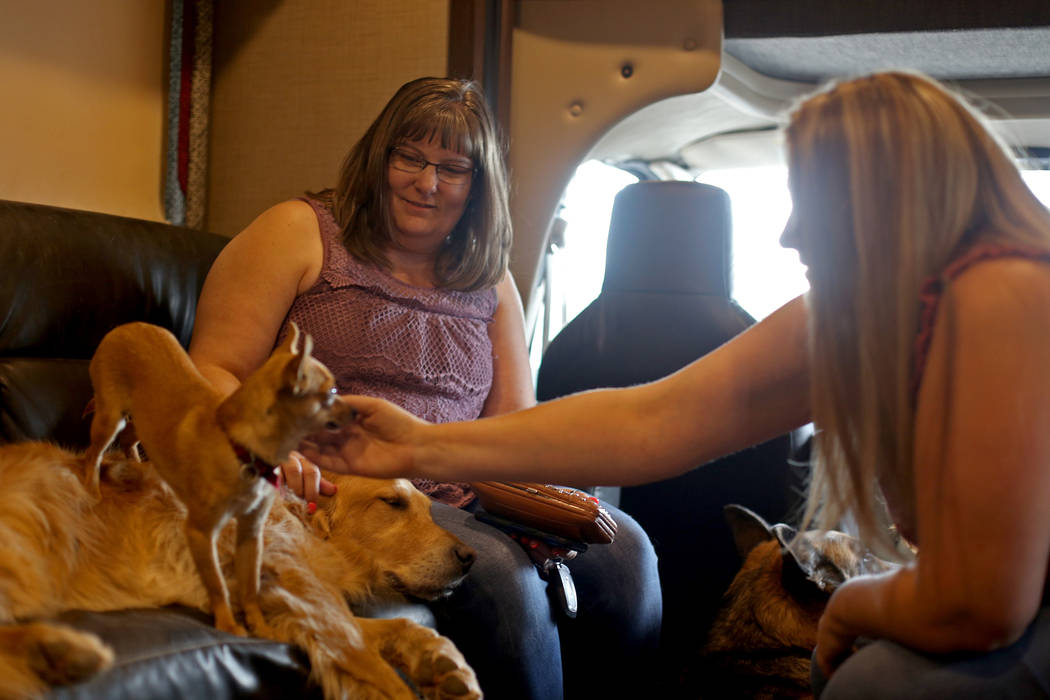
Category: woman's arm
<point>511,375</point>
<point>249,290</point>
<point>751,389</point>
<point>245,298</point>
<point>982,479</point>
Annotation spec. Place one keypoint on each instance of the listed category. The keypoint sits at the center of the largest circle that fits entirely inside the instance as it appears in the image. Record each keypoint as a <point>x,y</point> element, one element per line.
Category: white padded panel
<point>567,90</point>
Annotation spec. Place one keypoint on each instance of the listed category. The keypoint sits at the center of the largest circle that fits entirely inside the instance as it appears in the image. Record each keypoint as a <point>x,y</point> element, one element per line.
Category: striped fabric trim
<point>189,99</point>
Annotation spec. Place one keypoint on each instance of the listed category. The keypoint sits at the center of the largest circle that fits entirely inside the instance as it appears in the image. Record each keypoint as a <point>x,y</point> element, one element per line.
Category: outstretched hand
<point>379,443</point>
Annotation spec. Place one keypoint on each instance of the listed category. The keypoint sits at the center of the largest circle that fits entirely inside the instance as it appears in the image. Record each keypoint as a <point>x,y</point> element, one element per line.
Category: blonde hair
<point>454,113</point>
<point>894,177</point>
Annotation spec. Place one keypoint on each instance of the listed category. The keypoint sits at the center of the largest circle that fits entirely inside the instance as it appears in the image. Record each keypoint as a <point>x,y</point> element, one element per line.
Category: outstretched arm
<point>752,388</point>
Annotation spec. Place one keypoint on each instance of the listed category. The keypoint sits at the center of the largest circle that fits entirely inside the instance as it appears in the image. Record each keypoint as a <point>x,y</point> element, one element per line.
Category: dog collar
<point>254,464</point>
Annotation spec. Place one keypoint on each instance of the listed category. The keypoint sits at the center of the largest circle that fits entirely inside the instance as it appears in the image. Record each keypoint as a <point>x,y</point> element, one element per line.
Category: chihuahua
<point>217,453</point>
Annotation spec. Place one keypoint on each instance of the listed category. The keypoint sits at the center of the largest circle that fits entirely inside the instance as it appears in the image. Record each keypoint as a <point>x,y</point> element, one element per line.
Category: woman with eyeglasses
<point>919,352</point>
<point>400,275</point>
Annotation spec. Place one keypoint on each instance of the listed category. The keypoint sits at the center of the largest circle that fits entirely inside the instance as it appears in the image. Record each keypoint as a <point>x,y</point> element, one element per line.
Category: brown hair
<point>894,177</point>
<point>455,113</point>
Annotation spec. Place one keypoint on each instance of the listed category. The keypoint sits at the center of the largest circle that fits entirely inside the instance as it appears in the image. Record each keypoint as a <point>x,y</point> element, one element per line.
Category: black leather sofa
<point>67,278</point>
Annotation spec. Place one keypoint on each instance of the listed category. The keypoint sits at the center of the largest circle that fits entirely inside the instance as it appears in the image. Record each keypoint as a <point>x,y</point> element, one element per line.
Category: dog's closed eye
<point>394,502</point>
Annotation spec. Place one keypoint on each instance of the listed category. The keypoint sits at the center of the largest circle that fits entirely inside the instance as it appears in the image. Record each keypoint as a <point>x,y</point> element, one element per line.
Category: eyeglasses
<point>449,173</point>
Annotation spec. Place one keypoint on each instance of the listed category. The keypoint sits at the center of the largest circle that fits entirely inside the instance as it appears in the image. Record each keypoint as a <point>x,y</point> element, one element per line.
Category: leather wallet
<point>559,510</point>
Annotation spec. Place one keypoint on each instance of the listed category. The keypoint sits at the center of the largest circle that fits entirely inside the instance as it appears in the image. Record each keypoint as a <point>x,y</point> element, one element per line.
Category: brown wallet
<point>559,510</point>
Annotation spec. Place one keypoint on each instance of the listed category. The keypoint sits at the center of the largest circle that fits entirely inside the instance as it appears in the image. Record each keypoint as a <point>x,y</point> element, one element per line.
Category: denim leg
<point>883,669</point>
<point>610,649</point>
<point>500,617</point>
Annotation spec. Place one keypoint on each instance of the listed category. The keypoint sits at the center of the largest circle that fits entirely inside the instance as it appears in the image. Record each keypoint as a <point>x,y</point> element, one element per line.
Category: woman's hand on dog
<point>303,478</point>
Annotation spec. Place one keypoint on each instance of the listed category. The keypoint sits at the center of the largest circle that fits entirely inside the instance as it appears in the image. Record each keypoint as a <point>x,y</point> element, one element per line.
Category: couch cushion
<point>176,653</point>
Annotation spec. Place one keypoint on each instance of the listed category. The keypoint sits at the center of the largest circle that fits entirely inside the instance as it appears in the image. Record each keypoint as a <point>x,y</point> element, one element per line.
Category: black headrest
<point>669,237</point>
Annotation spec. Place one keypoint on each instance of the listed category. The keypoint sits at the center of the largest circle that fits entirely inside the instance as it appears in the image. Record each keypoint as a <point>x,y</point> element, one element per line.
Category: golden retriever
<point>374,541</point>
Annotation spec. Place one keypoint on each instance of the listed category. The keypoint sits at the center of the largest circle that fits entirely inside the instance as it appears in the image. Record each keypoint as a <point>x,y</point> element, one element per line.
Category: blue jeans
<point>521,647</point>
<point>883,669</point>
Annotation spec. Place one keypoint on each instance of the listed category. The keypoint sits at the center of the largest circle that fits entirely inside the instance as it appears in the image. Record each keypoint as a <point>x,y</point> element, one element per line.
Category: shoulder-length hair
<point>892,178</point>
<point>455,114</point>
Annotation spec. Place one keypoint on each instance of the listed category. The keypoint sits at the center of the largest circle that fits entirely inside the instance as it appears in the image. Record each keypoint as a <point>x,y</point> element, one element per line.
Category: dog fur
<point>373,541</point>
<point>761,642</point>
<point>192,434</point>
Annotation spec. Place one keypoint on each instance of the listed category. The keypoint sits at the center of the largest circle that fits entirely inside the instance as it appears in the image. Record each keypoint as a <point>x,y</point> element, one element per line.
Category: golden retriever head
<point>385,532</point>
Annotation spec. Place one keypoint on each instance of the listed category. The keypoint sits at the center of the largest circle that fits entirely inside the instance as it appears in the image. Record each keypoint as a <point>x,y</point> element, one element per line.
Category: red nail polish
<point>311,507</point>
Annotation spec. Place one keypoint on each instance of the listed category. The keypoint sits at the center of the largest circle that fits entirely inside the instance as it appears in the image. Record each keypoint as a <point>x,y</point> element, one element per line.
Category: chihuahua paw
<point>61,655</point>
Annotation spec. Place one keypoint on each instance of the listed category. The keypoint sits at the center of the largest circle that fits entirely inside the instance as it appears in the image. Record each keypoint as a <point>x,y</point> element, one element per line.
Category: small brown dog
<point>370,545</point>
<point>762,639</point>
<point>217,453</point>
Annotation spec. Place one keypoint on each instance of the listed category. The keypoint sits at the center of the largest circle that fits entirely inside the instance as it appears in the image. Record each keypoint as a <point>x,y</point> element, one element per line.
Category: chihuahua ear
<point>290,340</point>
<point>296,370</point>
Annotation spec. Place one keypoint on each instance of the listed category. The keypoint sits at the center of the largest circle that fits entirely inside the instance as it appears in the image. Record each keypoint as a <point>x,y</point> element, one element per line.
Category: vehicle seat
<point>665,301</point>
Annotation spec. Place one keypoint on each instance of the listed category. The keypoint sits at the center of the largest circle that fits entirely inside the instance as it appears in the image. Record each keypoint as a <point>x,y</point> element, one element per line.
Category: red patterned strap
<point>933,287</point>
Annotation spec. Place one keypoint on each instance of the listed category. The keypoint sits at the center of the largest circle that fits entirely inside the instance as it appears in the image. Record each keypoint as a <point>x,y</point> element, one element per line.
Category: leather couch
<point>67,278</point>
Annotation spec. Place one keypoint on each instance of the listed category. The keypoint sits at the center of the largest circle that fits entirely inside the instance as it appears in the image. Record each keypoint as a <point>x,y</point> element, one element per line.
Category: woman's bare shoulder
<point>1006,297</point>
<point>285,217</point>
<point>1012,287</point>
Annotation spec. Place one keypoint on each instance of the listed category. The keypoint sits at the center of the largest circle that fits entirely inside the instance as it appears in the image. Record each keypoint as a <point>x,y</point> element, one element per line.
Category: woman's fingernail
<point>311,507</point>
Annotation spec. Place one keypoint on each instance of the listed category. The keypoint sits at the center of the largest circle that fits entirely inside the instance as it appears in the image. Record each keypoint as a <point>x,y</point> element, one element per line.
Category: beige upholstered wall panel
<point>83,103</point>
<point>297,82</point>
<point>569,87</point>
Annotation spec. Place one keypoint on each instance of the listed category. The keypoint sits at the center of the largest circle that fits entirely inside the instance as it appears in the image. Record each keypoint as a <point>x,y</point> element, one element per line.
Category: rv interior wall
<point>577,68</point>
<point>296,82</point>
<point>82,121</point>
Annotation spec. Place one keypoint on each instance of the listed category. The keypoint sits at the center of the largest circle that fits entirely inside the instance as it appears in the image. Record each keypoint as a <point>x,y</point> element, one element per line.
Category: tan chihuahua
<point>217,453</point>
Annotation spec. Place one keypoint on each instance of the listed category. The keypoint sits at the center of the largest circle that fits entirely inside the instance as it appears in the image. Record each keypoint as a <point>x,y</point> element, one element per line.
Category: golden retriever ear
<point>321,524</point>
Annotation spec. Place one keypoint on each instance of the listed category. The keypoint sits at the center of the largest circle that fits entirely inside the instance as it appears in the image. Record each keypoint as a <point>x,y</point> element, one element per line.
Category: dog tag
<point>559,579</point>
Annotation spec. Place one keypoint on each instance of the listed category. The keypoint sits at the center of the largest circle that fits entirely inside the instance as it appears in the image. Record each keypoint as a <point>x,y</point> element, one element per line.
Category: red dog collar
<point>253,462</point>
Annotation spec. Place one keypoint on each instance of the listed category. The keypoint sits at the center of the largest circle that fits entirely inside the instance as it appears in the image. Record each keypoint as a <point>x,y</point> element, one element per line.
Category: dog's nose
<point>465,555</point>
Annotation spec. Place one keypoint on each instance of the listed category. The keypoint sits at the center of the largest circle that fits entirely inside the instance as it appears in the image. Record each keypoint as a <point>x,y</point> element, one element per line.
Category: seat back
<point>66,278</point>
<point>665,301</point>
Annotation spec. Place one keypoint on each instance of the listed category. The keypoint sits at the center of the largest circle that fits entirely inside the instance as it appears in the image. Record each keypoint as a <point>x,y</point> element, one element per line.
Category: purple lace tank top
<point>426,350</point>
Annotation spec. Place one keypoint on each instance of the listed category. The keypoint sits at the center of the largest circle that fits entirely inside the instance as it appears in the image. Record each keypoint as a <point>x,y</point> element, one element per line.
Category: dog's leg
<point>431,661</point>
<point>35,656</point>
<point>106,424</point>
<point>203,547</point>
<point>248,561</point>
<point>307,613</point>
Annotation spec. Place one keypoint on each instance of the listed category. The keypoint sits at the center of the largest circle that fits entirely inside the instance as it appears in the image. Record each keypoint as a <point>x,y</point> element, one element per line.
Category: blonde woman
<point>921,353</point>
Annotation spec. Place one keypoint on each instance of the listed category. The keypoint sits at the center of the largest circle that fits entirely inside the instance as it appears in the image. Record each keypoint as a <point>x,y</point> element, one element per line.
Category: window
<point>764,275</point>
<point>576,268</point>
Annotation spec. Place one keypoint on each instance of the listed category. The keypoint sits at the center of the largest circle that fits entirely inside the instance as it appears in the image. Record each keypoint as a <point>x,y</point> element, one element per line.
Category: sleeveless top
<point>426,350</point>
<point>932,288</point>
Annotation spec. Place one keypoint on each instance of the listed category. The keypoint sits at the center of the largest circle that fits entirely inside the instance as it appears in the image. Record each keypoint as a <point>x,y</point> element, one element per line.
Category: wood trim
<point>479,47</point>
